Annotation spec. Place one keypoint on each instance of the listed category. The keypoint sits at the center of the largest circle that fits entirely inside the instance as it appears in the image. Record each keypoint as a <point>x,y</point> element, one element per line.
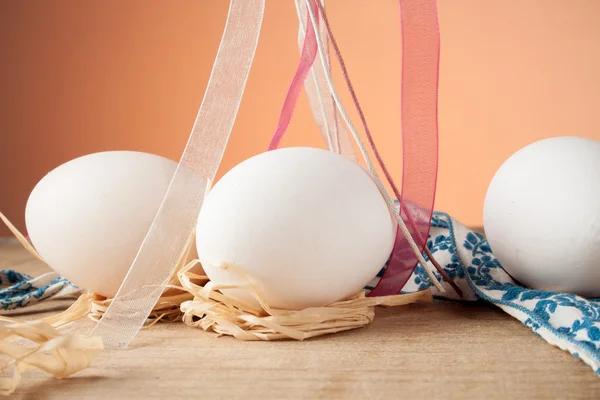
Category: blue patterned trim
<point>563,319</point>
<point>478,275</point>
<point>10,277</point>
<point>20,290</point>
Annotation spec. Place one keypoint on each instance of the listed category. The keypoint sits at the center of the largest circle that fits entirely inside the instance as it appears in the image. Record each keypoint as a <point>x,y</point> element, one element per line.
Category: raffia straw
<point>21,238</point>
<point>79,309</point>
<point>64,354</point>
<point>57,354</point>
<point>165,310</point>
<point>211,310</point>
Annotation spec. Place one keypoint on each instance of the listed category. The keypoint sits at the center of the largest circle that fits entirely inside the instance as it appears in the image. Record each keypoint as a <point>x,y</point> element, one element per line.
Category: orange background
<point>81,77</point>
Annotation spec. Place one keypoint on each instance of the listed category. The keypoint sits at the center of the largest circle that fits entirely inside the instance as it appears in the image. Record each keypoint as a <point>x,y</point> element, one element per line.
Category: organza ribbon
<point>420,38</point>
<point>178,213</point>
<point>419,112</point>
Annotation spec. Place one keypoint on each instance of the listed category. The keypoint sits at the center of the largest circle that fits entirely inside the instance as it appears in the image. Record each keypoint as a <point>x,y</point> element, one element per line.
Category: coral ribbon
<point>420,71</point>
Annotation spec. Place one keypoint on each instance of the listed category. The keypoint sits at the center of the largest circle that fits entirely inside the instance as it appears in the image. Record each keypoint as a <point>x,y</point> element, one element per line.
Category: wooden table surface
<point>442,350</point>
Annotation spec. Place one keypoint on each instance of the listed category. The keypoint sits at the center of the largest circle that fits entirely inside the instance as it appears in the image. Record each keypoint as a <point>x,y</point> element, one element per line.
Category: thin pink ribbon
<point>420,66</point>
<point>307,59</point>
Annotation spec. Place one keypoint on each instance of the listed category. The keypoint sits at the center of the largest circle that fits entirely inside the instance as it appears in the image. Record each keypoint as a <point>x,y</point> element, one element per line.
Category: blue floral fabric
<point>20,290</point>
<point>564,320</point>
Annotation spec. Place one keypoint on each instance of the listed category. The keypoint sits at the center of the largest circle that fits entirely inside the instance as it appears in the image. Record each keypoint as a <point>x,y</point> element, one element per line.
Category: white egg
<point>542,215</point>
<point>88,217</point>
<point>310,226</point>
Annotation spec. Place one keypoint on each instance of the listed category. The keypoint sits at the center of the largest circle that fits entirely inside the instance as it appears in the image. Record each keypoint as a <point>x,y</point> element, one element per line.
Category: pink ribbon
<point>420,66</point>
<point>307,59</point>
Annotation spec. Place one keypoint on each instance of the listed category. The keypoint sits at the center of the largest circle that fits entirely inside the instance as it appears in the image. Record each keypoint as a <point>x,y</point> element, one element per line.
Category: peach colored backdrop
<point>81,77</point>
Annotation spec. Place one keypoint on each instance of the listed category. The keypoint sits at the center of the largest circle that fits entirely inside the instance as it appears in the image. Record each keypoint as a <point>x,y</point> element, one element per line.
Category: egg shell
<point>542,215</point>
<point>310,226</point>
<point>88,217</point>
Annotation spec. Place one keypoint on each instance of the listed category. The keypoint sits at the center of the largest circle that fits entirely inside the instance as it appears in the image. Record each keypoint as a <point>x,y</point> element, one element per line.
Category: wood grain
<point>442,350</point>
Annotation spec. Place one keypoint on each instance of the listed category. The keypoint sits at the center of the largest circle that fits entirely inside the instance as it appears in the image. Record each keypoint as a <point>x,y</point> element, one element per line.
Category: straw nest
<point>212,310</point>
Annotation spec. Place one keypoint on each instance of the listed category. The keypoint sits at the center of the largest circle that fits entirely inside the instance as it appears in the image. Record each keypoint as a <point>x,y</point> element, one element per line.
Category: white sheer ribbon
<point>321,102</point>
<point>178,214</point>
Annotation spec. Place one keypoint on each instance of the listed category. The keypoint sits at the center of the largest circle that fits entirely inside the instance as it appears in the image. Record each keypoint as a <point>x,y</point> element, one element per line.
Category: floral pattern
<point>565,320</point>
<point>20,290</point>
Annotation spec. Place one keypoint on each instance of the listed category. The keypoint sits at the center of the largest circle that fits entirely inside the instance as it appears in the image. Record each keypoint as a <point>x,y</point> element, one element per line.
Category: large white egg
<point>88,217</point>
<point>542,215</point>
<point>310,226</point>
